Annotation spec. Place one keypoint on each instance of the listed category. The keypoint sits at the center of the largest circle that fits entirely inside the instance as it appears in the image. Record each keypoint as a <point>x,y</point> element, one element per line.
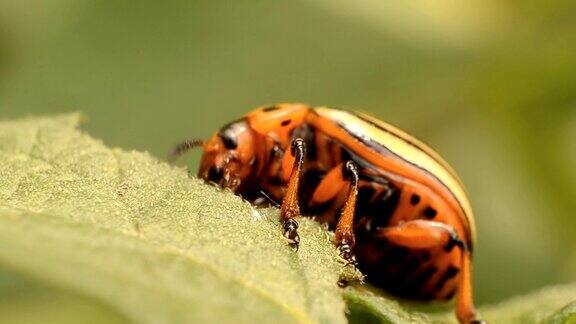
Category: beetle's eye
<point>229,140</point>
<point>215,174</point>
<point>229,133</point>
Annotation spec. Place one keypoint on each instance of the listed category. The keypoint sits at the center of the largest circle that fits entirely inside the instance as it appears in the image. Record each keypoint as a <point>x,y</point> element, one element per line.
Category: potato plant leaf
<point>161,247</point>
<point>555,304</point>
<point>146,238</point>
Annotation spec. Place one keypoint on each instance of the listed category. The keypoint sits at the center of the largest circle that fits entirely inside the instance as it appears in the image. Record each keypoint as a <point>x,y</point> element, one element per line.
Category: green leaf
<point>566,315</point>
<point>537,307</point>
<point>550,305</point>
<point>367,305</point>
<point>146,238</point>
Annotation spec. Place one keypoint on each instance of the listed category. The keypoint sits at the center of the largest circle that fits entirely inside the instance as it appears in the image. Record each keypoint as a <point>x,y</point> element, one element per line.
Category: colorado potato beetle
<point>398,210</point>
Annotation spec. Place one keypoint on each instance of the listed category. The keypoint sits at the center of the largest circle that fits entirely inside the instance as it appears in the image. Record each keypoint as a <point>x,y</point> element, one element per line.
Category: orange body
<point>407,210</point>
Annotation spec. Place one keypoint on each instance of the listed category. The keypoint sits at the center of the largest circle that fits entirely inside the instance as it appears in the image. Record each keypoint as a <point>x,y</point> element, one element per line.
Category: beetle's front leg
<point>292,164</point>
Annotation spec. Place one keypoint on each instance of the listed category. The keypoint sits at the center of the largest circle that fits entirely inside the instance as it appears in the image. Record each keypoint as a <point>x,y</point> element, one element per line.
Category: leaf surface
<point>161,247</point>
<point>146,238</point>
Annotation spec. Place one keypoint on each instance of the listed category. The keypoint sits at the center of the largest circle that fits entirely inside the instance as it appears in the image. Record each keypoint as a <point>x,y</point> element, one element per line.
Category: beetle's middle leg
<point>292,164</point>
<point>335,181</point>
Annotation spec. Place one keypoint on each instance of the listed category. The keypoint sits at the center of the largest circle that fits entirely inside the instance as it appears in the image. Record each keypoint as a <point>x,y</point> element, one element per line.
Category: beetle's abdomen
<point>410,274</point>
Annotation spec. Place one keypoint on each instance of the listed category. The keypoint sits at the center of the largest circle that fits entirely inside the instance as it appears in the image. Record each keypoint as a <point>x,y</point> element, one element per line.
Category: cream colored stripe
<point>419,154</point>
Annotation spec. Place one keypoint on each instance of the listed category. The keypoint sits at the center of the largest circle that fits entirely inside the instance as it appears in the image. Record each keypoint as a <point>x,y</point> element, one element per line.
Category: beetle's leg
<point>344,234</point>
<point>292,165</point>
<point>331,185</point>
<point>424,234</point>
<point>334,182</point>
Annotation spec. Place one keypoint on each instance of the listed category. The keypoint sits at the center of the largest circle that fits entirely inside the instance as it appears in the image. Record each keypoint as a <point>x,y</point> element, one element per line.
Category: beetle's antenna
<point>184,147</point>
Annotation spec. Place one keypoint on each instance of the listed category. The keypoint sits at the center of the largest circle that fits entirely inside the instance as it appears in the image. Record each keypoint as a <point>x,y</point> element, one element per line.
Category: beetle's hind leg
<point>425,234</point>
<point>292,164</point>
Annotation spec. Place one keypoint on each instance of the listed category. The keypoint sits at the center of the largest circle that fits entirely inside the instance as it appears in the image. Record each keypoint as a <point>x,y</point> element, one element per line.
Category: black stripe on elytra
<point>417,146</point>
<point>381,149</point>
<point>406,140</point>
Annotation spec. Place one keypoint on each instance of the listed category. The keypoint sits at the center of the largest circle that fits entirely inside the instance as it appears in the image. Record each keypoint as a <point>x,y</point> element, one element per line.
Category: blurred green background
<point>490,84</point>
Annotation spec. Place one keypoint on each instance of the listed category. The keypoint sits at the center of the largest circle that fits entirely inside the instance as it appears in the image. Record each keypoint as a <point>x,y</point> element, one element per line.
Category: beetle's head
<point>229,156</point>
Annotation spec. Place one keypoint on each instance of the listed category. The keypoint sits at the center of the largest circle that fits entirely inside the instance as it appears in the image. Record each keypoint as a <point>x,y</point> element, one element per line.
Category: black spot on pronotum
<point>414,199</point>
<point>286,122</point>
<point>429,212</point>
<point>271,108</point>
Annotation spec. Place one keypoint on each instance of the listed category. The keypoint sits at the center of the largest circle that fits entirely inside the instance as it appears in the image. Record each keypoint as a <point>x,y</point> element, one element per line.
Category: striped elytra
<point>398,210</point>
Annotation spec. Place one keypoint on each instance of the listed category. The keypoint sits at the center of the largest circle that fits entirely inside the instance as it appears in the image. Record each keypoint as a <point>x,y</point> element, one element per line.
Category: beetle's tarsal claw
<point>342,283</point>
<point>291,233</point>
<point>346,255</point>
